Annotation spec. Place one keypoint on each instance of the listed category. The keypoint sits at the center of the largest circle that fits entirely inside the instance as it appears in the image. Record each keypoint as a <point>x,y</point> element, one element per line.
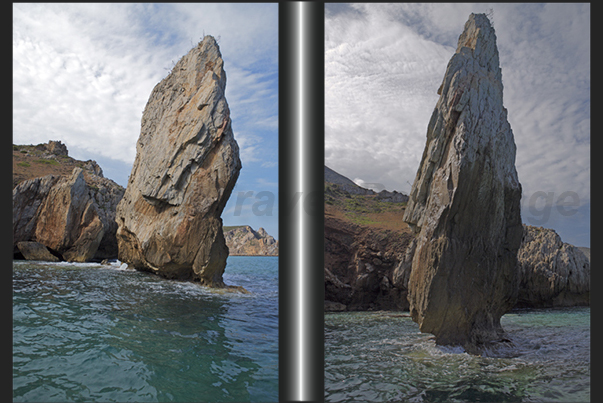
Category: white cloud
<point>82,73</point>
<point>384,63</point>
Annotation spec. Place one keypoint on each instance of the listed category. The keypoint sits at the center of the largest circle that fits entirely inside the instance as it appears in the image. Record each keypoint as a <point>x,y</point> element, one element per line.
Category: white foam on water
<point>451,349</point>
<point>64,264</point>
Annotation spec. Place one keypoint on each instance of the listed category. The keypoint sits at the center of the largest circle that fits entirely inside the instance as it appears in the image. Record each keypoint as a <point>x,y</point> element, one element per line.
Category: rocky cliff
<point>552,273</point>
<point>365,241</point>
<point>187,162</point>
<point>245,241</point>
<point>465,202</point>
<point>62,208</point>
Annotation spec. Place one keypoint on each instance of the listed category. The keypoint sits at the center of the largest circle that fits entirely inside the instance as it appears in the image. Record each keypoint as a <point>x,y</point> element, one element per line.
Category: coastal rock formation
<point>365,244</point>
<point>105,195</point>
<point>244,241</point>
<point>58,213</point>
<point>28,196</point>
<point>46,170</point>
<point>359,267</point>
<point>465,202</point>
<point>552,273</point>
<point>187,162</point>
<point>67,220</point>
<point>36,251</point>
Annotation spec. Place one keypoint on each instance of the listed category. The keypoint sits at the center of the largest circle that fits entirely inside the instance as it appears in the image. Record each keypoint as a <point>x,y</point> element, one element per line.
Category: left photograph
<point>145,202</point>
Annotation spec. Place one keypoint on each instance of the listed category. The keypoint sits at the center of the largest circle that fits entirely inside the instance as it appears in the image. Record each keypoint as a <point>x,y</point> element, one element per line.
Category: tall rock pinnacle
<point>187,163</point>
<point>465,202</point>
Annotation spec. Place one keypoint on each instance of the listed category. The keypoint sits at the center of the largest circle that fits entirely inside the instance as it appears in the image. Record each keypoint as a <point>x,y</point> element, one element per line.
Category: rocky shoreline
<point>551,273</point>
<point>31,192</point>
<point>63,216</point>
<point>167,221</point>
<point>245,241</point>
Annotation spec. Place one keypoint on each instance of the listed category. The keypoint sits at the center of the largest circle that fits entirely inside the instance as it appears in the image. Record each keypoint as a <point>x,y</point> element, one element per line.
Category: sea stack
<point>465,202</point>
<point>187,163</point>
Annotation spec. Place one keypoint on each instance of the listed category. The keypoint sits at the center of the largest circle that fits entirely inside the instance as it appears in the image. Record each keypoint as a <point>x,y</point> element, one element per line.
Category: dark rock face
<point>187,163</point>
<point>552,273</point>
<point>465,202</point>
<point>360,266</point>
<point>105,195</point>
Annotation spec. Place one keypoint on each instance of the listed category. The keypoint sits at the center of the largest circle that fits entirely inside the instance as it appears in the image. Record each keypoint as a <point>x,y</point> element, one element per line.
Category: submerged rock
<point>187,162</point>
<point>465,202</point>
<point>552,273</point>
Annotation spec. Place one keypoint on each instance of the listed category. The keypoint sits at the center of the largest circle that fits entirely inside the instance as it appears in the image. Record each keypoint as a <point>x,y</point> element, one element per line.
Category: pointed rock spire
<point>465,202</point>
<point>187,163</point>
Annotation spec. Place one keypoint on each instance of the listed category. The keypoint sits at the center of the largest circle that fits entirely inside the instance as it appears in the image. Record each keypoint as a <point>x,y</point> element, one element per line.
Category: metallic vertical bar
<point>301,185</point>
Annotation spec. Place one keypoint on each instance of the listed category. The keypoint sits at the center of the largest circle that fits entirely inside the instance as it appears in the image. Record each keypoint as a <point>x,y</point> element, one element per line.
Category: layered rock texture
<point>245,241</point>
<point>365,244</point>
<point>186,165</point>
<point>62,216</point>
<point>552,273</point>
<point>465,202</point>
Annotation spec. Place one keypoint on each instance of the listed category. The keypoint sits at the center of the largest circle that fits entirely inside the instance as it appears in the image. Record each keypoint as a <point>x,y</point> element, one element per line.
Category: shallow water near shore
<point>86,332</point>
<point>382,357</point>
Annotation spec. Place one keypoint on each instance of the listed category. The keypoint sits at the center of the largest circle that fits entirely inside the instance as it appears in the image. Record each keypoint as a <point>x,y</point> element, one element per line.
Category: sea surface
<point>383,357</point>
<point>86,332</point>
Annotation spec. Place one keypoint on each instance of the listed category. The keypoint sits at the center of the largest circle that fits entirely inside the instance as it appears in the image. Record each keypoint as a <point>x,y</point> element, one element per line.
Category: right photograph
<point>457,202</point>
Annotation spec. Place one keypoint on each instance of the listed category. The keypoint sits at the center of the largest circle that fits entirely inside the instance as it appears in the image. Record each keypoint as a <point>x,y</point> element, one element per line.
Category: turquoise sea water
<point>85,332</point>
<point>382,357</point>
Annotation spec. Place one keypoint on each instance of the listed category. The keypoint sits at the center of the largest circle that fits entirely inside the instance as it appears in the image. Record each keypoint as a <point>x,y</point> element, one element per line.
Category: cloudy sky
<point>385,62</point>
<point>82,74</point>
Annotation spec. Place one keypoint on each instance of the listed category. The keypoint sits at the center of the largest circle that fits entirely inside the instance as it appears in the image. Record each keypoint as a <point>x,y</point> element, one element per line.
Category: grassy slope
<point>28,164</point>
<point>364,210</point>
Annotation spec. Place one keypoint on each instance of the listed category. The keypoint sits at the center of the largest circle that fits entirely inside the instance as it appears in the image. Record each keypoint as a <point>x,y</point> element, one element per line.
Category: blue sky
<point>385,62</point>
<point>82,74</point>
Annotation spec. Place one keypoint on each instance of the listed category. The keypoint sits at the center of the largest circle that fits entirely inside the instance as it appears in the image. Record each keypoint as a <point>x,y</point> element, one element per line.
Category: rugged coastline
<point>467,258</point>
<point>37,168</point>
<point>242,240</point>
<point>167,221</point>
<point>63,209</point>
<point>360,231</point>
